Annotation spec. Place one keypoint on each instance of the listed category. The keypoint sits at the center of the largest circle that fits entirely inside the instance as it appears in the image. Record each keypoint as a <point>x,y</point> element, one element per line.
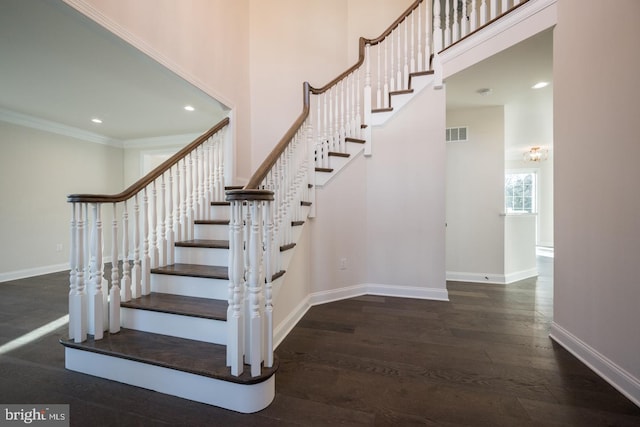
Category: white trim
<point>615,375</point>
<point>57,128</point>
<point>520,275</point>
<point>245,398</point>
<point>456,276</point>
<point>161,141</point>
<point>31,272</point>
<point>415,292</point>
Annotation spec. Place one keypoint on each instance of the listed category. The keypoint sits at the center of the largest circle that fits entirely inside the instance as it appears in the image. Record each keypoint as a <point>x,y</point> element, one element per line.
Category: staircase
<point>190,311</point>
<point>173,339</point>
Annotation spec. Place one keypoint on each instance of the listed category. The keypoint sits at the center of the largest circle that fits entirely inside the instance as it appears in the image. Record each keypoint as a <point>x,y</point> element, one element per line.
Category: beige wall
<point>597,202</point>
<point>37,171</point>
<point>475,195</point>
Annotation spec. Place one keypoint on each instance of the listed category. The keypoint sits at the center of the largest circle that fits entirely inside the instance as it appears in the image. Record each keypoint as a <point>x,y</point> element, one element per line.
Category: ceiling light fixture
<point>189,108</point>
<point>484,91</point>
<point>540,85</point>
<point>96,120</point>
<point>535,154</point>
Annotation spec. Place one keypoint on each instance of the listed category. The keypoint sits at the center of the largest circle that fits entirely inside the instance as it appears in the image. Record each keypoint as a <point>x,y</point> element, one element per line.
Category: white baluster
<point>505,6</point>
<point>456,25</point>
<point>152,218</point>
<point>412,63</point>
<point>78,301</point>
<point>235,324</point>
<point>392,79</point>
<point>367,100</point>
<point>405,70</point>
<point>146,259</point>
<point>379,103</point>
<point>125,283</point>
<point>473,17</point>
<point>399,84</point>
<point>385,91</point>
<point>184,204</point>
<point>437,28</point>
<point>447,27</point>
<point>170,222</point>
<point>96,307</point>
<point>162,239</point>
<point>428,36</point>
<point>493,9</point>
<point>114,294</point>
<point>464,20</point>
<point>343,114</point>
<point>359,116</point>
<point>420,66</point>
<point>268,310</point>
<point>254,352</point>
<point>73,272</point>
<point>136,273</point>
<point>188,177</point>
<point>483,12</point>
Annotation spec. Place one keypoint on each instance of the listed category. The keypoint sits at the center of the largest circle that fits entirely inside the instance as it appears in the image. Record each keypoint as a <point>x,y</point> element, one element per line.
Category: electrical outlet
<point>343,263</point>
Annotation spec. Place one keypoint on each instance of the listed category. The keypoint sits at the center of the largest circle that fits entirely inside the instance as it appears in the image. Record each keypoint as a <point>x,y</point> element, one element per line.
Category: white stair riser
<point>193,328</point>
<point>202,256</point>
<point>236,397</point>
<point>220,212</point>
<point>211,231</point>
<point>199,287</point>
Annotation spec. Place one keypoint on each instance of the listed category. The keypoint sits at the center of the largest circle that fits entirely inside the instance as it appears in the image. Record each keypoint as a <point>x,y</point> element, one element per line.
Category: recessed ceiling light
<point>484,91</point>
<point>96,120</point>
<point>540,85</point>
<point>189,108</point>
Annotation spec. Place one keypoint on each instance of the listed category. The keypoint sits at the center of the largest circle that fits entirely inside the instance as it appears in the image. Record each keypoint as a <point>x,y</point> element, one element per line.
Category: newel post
<point>249,321</point>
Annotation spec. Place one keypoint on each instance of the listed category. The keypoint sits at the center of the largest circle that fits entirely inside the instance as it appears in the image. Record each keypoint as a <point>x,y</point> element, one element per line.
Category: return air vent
<point>457,134</point>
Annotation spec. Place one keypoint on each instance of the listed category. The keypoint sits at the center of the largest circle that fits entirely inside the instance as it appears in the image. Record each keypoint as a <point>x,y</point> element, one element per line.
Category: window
<point>520,192</point>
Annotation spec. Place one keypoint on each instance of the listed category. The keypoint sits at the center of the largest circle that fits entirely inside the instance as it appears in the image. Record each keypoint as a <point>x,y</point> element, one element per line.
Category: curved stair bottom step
<point>173,366</point>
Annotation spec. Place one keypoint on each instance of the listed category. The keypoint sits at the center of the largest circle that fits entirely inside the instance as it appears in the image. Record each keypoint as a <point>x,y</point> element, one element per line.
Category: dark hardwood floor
<point>482,359</point>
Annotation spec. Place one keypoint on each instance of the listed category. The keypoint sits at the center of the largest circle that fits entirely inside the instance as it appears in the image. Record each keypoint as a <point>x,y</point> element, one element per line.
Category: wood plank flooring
<point>482,359</point>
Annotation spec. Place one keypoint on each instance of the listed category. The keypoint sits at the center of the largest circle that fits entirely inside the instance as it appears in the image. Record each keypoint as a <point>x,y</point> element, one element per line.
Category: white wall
<point>597,225</point>
<point>475,196</point>
<point>37,171</point>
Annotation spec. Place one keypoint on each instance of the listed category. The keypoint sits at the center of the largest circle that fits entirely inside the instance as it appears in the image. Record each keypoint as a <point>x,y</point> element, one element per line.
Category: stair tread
<point>297,223</point>
<point>178,304</point>
<point>286,247</point>
<point>212,221</point>
<point>356,140</point>
<point>196,357</point>
<point>194,270</point>
<point>220,203</point>
<point>324,170</point>
<point>234,187</point>
<point>382,110</point>
<point>401,92</point>
<point>204,243</point>
<point>338,154</point>
<point>303,203</point>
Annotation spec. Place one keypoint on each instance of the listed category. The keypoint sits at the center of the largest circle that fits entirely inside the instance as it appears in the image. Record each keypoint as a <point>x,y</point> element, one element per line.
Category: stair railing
<point>162,206</point>
<point>458,19</point>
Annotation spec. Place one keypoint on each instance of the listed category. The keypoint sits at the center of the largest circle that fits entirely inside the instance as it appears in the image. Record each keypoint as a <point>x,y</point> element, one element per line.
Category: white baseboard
<point>520,275</point>
<point>31,272</point>
<point>495,279</point>
<point>622,380</point>
<point>281,331</point>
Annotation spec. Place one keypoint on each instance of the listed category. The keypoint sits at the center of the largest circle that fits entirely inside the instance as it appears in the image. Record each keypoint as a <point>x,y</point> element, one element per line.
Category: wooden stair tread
<point>382,110</point>
<point>287,247</point>
<point>303,203</point>
<point>178,304</point>
<point>338,154</point>
<point>204,243</point>
<point>278,275</point>
<point>194,270</point>
<point>297,223</point>
<point>196,357</point>
<point>211,221</point>
<point>221,203</point>
<point>233,187</point>
<point>356,140</point>
<point>401,92</point>
<point>324,170</point>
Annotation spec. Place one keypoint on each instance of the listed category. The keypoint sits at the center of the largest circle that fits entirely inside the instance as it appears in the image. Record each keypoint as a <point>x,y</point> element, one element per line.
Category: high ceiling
<point>56,65</point>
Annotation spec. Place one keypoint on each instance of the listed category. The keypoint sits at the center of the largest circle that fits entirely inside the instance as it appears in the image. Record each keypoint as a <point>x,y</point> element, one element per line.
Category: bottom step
<point>184,368</point>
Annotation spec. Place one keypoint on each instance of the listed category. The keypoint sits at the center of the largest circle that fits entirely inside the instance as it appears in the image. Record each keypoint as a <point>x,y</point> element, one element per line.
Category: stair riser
<point>202,256</point>
<point>220,212</point>
<point>211,232</point>
<point>190,286</point>
<point>193,328</point>
<point>236,397</point>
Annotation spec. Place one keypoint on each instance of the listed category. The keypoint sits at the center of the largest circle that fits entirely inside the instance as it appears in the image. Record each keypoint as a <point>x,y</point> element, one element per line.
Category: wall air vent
<point>457,134</point>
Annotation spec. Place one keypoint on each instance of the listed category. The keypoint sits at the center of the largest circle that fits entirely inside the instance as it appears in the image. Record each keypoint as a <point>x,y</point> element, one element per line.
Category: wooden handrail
<point>151,176</point>
<point>261,172</point>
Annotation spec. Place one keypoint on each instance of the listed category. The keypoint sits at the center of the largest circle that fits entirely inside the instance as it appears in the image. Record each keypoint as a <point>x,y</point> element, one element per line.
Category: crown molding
<point>160,141</point>
<point>57,128</point>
